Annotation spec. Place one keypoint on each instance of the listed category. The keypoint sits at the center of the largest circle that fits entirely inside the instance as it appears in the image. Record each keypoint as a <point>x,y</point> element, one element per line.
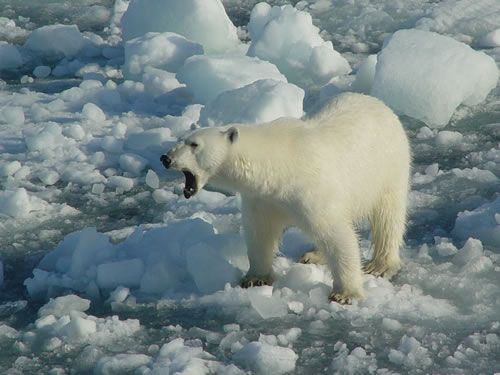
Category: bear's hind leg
<point>388,222</point>
<point>341,251</point>
<point>263,226</point>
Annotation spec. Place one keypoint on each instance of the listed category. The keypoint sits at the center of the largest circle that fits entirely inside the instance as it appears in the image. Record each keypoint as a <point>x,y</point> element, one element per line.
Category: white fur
<point>322,174</point>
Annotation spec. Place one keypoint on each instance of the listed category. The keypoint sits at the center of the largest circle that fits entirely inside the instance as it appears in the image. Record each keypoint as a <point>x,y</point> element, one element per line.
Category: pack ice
<point>427,76</point>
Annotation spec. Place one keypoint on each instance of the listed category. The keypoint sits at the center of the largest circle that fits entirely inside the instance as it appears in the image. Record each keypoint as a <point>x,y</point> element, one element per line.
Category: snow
<point>106,268</point>
<point>261,101</point>
<point>287,37</point>
<point>166,51</point>
<point>454,74</point>
<point>208,23</point>
<point>207,76</point>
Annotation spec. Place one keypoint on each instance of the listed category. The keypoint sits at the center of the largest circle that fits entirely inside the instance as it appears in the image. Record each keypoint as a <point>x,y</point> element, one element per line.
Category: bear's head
<point>200,156</point>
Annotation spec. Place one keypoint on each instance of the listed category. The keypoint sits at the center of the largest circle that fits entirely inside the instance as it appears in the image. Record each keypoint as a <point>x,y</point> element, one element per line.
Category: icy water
<point>441,314</point>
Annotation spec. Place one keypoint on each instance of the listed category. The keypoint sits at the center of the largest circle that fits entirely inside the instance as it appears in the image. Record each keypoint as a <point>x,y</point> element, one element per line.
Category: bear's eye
<point>193,144</point>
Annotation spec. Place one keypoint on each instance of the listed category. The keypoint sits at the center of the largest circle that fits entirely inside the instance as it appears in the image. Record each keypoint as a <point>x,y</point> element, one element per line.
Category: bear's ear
<point>233,134</point>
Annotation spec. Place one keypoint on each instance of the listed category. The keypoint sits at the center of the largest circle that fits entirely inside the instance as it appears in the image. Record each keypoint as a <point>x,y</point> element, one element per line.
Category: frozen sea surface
<point>105,268</point>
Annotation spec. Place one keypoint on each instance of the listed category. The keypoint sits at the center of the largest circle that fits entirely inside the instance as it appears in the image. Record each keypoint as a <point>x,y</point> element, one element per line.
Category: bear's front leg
<point>341,251</point>
<point>263,224</point>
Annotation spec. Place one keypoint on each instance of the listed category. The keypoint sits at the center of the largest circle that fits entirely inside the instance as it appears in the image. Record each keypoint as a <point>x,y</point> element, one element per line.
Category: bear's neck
<point>255,170</point>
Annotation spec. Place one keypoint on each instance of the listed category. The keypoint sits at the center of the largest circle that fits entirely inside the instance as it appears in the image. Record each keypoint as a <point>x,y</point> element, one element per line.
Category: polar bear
<point>323,174</point>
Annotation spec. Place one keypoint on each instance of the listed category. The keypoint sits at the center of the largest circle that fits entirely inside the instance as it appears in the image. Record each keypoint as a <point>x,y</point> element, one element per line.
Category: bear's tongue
<point>190,185</point>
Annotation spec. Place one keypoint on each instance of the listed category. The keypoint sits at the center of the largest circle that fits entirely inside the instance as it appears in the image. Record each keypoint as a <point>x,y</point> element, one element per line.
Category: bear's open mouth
<point>190,184</point>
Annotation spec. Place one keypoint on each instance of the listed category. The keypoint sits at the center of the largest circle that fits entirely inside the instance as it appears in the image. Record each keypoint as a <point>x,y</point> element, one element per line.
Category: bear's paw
<point>251,281</point>
<point>383,269</point>
<point>341,298</point>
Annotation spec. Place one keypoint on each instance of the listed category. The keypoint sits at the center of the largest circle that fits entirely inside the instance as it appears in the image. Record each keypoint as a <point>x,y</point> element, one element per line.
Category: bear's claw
<point>340,298</point>
<point>249,282</point>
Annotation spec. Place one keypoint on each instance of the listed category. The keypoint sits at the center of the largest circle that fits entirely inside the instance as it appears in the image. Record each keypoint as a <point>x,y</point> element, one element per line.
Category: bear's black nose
<point>166,161</point>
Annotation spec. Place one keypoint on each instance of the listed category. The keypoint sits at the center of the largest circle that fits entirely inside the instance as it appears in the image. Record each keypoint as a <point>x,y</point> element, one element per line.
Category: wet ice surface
<point>145,281</point>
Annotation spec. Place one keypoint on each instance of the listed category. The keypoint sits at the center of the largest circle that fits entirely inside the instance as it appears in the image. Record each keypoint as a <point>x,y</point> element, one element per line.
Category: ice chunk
<point>482,223</point>
<point>444,247</point>
<point>287,37</point>
<point>125,273</point>
<point>365,75</point>
<point>266,359</point>
<point>163,196</point>
<point>93,113</point>
<point>166,51</point>
<point>56,41</point>
<point>15,203</point>
<point>490,40</point>
<point>158,82</point>
<point>98,188</point>
<point>472,249</point>
<point>461,18</point>
<point>476,174</point>
<point>410,354</point>
<point>121,364</point>
<point>8,332</point>
<point>448,138</point>
<point>74,131</point>
<point>355,362</point>
<point>48,177</point>
<point>42,71</point>
<point>427,76</point>
<point>8,168</point>
<point>209,270</point>
<point>61,306</point>
<point>207,76</point>
<point>112,144</point>
<point>121,183</point>
<point>10,57</point>
<point>152,179</point>
<point>208,23</point>
<point>133,163</point>
<point>12,115</point>
<point>153,140</point>
<point>302,277</point>
<point>265,304</point>
<point>259,102</point>
<point>45,137</point>
<point>391,325</point>
<point>120,294</point>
